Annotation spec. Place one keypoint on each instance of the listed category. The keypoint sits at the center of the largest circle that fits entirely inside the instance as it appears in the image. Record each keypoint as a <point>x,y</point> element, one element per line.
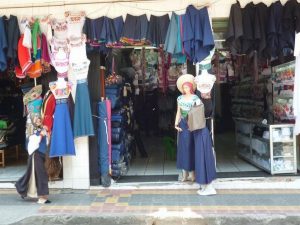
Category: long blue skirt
<point>83,121</point>
<point>62,140</point>
<point>205,165</point>
<point>185,148</point>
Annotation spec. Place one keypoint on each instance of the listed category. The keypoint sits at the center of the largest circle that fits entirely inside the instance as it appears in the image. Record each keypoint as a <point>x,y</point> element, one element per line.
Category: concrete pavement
<point>154,206</point>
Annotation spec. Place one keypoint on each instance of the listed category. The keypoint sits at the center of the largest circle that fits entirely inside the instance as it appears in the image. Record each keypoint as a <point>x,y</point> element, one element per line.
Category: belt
<point>61,101</point>
<point>82,81</point>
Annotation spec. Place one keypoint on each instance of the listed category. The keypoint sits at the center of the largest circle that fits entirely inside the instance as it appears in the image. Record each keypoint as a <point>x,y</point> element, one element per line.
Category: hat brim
<point>186,78</point>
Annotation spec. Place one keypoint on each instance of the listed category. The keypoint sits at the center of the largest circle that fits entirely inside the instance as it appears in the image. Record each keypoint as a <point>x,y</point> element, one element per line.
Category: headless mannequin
<point>205,83</point>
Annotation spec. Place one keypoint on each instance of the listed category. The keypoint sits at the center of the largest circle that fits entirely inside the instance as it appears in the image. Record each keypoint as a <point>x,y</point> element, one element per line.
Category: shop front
<point>120,86</point>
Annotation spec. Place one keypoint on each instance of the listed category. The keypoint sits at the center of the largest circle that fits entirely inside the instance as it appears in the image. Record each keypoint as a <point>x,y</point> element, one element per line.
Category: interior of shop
<point>251,119</point>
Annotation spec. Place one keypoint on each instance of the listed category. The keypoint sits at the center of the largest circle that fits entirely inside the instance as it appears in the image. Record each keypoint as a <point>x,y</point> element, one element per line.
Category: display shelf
<point>261,151</point>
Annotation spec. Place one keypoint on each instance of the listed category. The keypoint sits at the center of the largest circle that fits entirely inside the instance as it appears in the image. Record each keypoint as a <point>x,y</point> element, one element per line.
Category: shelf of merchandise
<point>272,157</point>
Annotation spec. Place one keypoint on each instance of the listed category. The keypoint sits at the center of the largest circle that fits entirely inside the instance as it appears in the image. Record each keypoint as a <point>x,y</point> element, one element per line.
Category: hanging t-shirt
<point>75,22</point>
<point>60,28</point>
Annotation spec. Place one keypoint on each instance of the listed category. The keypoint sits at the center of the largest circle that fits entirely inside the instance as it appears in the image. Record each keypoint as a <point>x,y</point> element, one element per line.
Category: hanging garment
<point>60,61</point>
<point>289,24</point>
<point>108,32</point>
<point>77,48</point>
<point>36,68</point>
<point>103,139</point>
<point>83,121</point>
<point>135,30</point>
<point>157,29</point>
<point>275,29</point>
<point>60,28</point>
<point>45,26</point>
<point>24,57</point>
<point>48,109</point>
<point>174,36</point>
<point>185,148</point>
<point>205,163</point>
<point>13,36</point>
<point>235,29</point>
<point>92,28</point>
<point>260,29</point>
<point>198,39</point>
<point>248,41</point>
<point>75,22</point>
<point>45,60</point>
<point>62,140</point>
<point>118,24</point>
<point>3,46</point>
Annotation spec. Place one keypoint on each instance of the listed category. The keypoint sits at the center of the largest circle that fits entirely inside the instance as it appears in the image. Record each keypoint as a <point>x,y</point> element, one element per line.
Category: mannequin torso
<point>205,83</point>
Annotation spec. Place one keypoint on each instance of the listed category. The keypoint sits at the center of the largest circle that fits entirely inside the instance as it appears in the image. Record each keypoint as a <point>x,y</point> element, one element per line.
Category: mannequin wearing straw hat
<point>185,147</point>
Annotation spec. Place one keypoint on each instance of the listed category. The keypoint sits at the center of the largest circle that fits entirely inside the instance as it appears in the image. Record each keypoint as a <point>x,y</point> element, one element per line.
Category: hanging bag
<point>196,117</point>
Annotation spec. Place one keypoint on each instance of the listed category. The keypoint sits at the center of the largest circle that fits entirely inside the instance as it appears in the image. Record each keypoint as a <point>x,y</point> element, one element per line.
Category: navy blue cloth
<point>185,148</point>
<point>13,36</point>
<point>205,164</point>
<point>3,46</point>
<point>135,27</point>
<point>248,39</point>
<point>275,29</point>
<point>103,139</point>
<point>62,140</point>
<point>289,15</point>
<point>83,121</point>
<point>108,32</point>
<point>198,39</point>
<point>118,24</point>
<point>157,29</point>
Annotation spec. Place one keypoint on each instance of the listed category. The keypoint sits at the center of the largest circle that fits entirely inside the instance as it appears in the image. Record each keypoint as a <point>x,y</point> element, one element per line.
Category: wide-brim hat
<point>186,78</point>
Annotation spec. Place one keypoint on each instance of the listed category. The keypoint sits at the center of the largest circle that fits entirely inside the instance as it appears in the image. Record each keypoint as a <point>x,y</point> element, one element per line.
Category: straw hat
<point>185,78</point>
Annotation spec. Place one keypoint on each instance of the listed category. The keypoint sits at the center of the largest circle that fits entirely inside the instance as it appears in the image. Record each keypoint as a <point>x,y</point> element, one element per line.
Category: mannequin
<point>61,83</point>
<point>185,148</point>
<point>205,83</point>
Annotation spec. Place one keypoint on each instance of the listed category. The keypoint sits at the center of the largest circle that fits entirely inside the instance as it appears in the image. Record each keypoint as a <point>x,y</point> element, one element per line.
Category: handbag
<point>196,118</point>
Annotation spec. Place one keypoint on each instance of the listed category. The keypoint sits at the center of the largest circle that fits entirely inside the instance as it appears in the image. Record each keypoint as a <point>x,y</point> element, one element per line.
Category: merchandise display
<point>273,149</point>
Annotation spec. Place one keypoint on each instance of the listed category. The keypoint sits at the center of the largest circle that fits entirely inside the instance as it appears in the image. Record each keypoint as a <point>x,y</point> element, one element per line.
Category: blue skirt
<point>62,140</point>
<point>185,148</point>
<point>83,121</point>
<point>205,165</point>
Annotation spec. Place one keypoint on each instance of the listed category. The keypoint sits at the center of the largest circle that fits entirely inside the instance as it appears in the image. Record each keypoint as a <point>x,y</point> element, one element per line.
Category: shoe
<point>43,201</point>
<point>207,190</point>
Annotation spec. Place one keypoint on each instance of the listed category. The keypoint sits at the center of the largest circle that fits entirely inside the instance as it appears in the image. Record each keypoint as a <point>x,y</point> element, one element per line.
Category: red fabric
<point>48,111</point>
<point>24,56</point>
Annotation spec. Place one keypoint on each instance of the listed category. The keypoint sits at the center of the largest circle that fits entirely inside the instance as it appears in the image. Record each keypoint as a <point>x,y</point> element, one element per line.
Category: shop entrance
<point>154,109</point>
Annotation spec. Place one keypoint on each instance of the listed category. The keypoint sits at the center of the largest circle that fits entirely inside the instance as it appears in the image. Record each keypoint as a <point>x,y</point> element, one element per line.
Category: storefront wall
<point>76,169</point>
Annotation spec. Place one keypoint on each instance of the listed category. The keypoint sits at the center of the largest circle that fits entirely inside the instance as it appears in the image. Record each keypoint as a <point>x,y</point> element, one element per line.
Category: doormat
<point>148,178</point>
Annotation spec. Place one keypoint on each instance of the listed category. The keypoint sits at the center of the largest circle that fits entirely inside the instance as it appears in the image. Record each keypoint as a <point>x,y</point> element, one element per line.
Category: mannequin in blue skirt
<point>185,142</point>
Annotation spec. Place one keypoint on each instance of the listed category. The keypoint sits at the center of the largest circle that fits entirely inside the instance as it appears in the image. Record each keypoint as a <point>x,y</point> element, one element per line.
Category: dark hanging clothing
<point>235,29</point>
<point>274,35</point>
<point>3,46</point>
<point>135,30</point>
<point>297,18</point>
<point>289,24</point>
<point>157,29</point>
<point>13,36</point>
<point>260,31</point>
<point>248,41</point>
<point>198,39</point>
<point>119,24</point>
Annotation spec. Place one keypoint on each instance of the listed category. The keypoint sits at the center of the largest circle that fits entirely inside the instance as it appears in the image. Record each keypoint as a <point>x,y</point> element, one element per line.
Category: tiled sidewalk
<point>175,202</point>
